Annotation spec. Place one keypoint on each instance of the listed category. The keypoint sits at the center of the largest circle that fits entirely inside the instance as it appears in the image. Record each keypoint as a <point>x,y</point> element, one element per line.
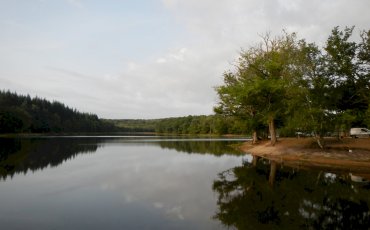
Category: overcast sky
<point>147,58</point>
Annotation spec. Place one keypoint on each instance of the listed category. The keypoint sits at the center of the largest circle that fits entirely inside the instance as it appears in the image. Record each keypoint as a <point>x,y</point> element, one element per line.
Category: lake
<point>168,183</point>
<point>111,182</point>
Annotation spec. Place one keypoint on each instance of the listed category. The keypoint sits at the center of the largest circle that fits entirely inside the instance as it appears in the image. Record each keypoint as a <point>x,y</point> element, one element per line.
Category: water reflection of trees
<point>21,155</point>
<point>298,199</point>
<point>217,148</point>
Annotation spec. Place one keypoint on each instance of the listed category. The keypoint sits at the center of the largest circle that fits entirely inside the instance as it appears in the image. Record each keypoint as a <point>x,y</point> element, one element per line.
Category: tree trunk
<point>255,160</point>
<point>254,137</point>
<point>319,141</point>
<point>272,131</point>
<point>272,173</point>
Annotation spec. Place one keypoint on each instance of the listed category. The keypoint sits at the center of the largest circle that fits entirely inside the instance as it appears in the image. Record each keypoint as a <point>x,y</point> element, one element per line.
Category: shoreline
<point>348,155</point>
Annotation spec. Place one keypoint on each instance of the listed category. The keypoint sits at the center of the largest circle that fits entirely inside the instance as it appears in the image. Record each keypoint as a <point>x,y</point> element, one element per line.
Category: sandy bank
<point>352,155</point>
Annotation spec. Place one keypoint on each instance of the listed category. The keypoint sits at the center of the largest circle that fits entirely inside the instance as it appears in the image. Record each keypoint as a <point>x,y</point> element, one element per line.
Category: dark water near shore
<point>167,183</point>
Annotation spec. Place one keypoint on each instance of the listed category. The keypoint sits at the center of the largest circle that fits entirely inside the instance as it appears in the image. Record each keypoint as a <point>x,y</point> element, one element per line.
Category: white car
<point>359,132</point>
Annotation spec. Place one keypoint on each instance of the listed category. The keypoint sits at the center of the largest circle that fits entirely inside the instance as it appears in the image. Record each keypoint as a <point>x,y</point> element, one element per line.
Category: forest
<point>23,114</point>
<point>289,85</point>
<point>194,125</point>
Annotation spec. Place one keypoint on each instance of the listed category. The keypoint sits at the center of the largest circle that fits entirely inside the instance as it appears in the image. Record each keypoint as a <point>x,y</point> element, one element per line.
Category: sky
<point>144,59</point>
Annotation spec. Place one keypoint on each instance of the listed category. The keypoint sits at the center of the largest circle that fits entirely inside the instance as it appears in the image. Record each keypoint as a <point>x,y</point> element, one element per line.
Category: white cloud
<point>176,211</point>
<point>178,55</point>
<point>158,205</point>
<point>75,3</point>
<point>161,60</point>
<point>169,3</point>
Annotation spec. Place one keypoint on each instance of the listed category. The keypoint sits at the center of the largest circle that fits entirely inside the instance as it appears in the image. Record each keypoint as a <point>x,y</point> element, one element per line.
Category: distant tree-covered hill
<point>210,124</point>
<point>24,114</point>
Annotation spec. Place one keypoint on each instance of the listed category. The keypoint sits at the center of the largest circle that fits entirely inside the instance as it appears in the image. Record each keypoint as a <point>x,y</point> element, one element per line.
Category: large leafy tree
<point>312,107</point>
<point>364,72</point>
<point>347,63</point>
<point>335,86</point>
<point>265,78</point>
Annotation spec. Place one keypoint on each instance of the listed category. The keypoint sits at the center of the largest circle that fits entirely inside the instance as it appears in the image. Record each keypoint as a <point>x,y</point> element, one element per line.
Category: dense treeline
<point>291,85</point>
<point>201,125</point>
<point>134,125</point>
<point>34,115</point>
<point>211,124</point>
<point>23,114</point>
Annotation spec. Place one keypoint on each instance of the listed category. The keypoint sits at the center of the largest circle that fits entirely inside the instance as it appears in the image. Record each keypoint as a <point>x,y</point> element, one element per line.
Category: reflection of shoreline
<point>356,175</point>
<point>21,155</point>
<point>328,165</point>
<point>217,148</point>
<point>359,175</point>
<point>260,195</point>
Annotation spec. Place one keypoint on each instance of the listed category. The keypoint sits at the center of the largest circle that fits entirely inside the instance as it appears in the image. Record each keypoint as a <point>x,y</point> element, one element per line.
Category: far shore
<point>347,154</point>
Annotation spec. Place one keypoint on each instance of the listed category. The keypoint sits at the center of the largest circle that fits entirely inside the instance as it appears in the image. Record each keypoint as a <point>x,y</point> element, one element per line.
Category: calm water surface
<point>168,183</point>
<point>111,183</point>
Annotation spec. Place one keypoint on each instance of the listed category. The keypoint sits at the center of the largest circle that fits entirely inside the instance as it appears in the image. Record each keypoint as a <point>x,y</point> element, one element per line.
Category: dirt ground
<point>347,154</point>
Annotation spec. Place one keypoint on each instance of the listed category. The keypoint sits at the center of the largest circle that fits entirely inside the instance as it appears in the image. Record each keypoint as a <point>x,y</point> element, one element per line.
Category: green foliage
<point>297,86</point>
<point>25,114</point>
<point>34,115</point>
<point>266,78</point>
<point>134,125</point>
<point>347,64</point>
<point>367,116</point>
<point>199,125</point>
<point>211,124</point>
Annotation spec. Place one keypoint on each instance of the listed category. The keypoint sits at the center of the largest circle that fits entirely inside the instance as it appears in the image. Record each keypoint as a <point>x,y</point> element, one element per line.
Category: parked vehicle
<point>304,134</point>
<point>359,132</point>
